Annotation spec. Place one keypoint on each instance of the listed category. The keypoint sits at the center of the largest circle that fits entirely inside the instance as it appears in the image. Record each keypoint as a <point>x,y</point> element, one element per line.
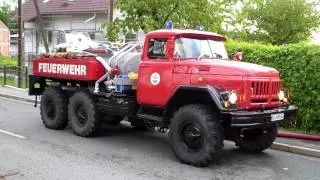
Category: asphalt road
<point>123,153</point>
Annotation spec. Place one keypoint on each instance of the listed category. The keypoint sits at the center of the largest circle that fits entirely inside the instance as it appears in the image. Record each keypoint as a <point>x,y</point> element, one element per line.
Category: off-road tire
<point>208,125</point>
<point>260,143</point>
<point>83,116</point>
<point>54,109</point>
<point>112,120</point>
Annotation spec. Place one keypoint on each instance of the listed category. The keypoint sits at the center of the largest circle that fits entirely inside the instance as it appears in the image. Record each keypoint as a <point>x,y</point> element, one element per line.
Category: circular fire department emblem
<point>155,78</point>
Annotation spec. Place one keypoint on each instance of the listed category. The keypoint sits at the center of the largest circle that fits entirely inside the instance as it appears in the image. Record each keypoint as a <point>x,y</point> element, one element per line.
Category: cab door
<point>155,73</point>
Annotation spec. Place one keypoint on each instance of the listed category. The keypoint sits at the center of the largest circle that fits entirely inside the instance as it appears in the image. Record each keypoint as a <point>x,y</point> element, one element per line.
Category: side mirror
<point>237,56</point>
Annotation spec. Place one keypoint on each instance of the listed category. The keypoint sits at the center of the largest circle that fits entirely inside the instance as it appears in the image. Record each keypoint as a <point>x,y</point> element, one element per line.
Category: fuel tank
<point>129,62</point>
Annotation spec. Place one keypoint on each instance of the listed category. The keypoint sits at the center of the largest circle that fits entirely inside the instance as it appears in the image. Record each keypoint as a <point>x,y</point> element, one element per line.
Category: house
<point>60,16</point>
<point>4,39</point>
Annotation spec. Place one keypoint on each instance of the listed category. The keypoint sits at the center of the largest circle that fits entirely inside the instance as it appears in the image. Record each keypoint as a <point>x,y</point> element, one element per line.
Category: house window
<point>49,37</point>
<point>157,48</point>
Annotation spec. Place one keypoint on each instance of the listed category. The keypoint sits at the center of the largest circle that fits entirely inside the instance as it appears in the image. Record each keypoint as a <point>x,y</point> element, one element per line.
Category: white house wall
<point>30,40</point>
<point>75,22</point>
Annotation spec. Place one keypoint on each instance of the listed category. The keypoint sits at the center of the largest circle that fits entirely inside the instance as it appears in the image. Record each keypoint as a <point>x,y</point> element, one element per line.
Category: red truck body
<point>257,85</point>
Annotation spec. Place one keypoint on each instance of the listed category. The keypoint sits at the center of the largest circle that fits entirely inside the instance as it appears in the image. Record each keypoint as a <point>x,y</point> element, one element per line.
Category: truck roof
<point>187,32</point>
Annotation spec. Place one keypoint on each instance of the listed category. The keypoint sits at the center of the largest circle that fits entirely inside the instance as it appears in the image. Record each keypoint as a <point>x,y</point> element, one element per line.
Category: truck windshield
<point>191,48</point>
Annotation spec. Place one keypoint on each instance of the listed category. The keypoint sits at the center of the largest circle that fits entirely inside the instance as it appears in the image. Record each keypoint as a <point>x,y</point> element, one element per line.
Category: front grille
<point>262,88</point>
<point>264,93</point>
<point>275,89</point>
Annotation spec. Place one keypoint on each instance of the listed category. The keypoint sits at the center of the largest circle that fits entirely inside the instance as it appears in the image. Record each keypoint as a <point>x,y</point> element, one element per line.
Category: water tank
<point>128,62</point>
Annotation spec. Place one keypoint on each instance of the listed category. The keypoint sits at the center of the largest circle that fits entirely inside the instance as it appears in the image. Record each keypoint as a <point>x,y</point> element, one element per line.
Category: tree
<point>6,16</point>
<point>152,14</point>
<point>278,21</point>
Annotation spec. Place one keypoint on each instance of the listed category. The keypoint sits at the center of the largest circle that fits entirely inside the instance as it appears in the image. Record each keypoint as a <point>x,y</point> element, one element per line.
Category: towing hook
<point>243,130</point>
<point>264,131</point>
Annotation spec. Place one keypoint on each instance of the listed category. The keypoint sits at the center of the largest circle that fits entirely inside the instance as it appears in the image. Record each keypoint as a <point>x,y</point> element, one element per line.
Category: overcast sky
<point>13,3</point>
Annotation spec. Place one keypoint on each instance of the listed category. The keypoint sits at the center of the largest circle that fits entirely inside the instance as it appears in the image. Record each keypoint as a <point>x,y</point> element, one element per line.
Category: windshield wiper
<point>203,56</point>
<point>218,56</point>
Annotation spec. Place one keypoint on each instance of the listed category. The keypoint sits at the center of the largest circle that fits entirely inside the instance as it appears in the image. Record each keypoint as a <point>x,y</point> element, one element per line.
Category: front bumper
<point>260,118</point>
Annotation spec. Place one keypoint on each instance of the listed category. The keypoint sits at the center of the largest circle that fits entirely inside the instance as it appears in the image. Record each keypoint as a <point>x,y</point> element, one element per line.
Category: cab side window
<point>157,48</point>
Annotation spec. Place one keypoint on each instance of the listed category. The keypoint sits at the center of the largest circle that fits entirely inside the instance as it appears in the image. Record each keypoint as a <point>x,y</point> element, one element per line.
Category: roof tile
<point>64,7</point>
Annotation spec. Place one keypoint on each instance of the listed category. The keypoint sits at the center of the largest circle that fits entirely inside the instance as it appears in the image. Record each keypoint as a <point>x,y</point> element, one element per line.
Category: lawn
<point>12,82</point>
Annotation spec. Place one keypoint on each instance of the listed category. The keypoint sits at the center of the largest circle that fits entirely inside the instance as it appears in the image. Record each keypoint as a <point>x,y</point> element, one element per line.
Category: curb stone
<point>296,149</point>
<point>13,87</point>
<point>19,98</point>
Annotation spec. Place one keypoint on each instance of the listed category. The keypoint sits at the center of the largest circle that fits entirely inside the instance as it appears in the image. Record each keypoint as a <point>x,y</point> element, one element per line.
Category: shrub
<point>299,67</point>
<point>7,61</point>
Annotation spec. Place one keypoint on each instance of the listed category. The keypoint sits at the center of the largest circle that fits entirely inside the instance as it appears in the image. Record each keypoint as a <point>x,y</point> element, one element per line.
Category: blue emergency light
<point>200,28</point>
<point>169,24</point>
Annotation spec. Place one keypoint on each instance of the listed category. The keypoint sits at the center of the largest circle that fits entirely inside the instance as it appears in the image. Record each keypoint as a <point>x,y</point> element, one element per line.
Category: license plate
<point>277,117</point>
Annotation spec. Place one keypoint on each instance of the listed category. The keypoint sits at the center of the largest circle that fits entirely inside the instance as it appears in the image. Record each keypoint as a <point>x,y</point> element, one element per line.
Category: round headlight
<point>233,98</point>
<point>281,95</point>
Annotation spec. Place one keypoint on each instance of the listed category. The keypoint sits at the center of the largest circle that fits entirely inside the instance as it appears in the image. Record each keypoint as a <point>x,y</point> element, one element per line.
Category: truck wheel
<point>196,135</point>
<point>256,141</point>
<point>112,120</point>
<point>53,109</point>
<point>83,115</point>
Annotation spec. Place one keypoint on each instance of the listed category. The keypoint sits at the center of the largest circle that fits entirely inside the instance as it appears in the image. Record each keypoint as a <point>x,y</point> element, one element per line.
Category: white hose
<point>105,76</point>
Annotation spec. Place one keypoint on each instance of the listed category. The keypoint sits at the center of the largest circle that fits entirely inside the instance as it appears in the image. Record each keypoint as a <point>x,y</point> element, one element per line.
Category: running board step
<point>150,117</point>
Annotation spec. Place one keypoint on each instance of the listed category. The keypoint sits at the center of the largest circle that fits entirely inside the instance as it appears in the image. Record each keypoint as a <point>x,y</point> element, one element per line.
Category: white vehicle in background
<point>91,42</point>
<point>77,42</point>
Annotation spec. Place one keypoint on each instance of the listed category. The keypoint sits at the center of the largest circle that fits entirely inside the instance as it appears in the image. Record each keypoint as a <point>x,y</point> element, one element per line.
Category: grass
<point>8,61</point>
<point>12,82</point>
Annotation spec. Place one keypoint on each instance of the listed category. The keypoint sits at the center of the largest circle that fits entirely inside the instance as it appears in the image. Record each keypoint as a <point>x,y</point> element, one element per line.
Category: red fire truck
<point>178,80</point>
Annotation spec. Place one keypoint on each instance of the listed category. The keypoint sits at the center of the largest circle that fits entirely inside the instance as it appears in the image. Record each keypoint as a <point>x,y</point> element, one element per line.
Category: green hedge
<point>299,67</point>
<point>7,61</point>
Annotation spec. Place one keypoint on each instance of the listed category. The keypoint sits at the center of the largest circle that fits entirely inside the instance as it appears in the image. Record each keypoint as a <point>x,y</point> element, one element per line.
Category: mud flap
<point>37,85</point>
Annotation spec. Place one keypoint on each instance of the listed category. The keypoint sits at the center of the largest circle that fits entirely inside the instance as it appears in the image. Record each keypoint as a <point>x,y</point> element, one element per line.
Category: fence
<point>9,76</point>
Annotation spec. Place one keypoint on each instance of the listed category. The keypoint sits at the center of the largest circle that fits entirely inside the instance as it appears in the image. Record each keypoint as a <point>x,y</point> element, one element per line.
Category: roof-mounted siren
<point>169,25</point>
<point>200,28</point>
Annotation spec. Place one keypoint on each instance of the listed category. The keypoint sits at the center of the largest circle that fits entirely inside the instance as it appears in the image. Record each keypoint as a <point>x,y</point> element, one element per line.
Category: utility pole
<point>41,29</point>
<point>111,12</point>
<point>20,42</point>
